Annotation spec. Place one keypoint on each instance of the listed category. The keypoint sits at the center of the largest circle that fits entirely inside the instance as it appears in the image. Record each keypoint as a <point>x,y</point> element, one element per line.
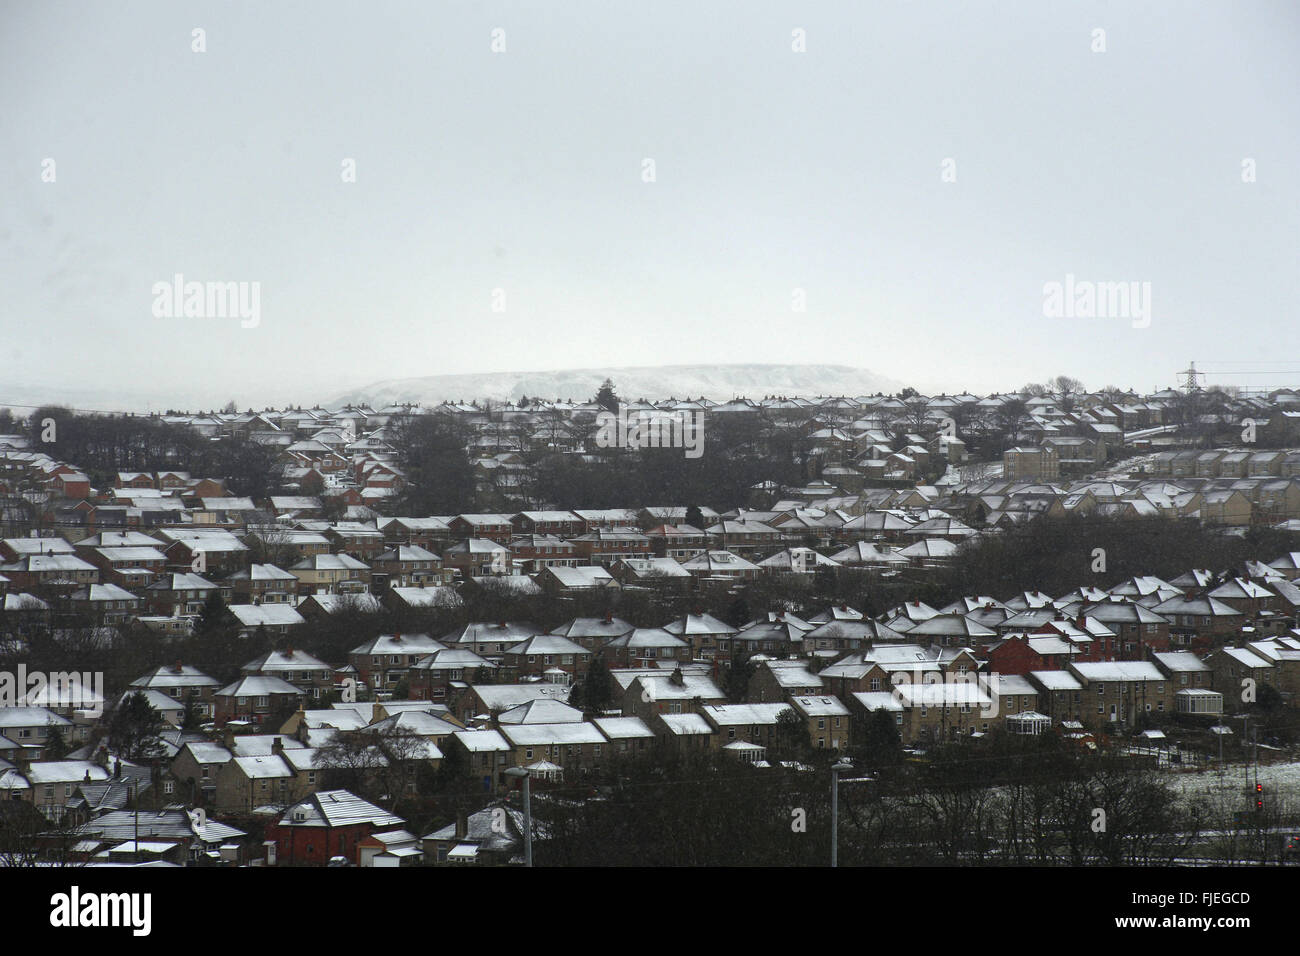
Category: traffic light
<point>1259,796</point>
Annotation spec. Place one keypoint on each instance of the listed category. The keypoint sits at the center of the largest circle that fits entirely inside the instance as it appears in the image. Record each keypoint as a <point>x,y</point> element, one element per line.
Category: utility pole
<point>836,769</point>
<point>134,790</point>
<point>522,773</point>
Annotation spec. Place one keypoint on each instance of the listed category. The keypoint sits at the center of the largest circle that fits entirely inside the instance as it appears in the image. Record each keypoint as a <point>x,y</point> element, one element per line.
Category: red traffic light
<point>1259,788</point>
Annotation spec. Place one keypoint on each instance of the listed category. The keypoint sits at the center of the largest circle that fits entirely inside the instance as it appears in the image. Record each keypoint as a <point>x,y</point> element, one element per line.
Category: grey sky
<point>522,171</point>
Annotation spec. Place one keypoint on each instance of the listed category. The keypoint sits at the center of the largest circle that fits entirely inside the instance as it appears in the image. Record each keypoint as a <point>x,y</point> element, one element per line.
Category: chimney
<point>277,747</point>
<point>228,738</point>
<point>117,769</point>
<point>179,667</point>
<point>397,638</point>
<point>288,651</point>
<point>609,617</point>
<point>462,824</point>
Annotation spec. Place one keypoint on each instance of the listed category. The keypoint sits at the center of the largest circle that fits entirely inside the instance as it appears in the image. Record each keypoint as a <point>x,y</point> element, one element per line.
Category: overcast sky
<point>524,171</point>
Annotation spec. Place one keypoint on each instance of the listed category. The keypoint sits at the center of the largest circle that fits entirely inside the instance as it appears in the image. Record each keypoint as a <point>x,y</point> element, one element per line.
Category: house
<point>32,728</point>
<point>179,594</point>
<point>574,744</point>
<point>1117,693</point>
<point>494,836</point>
<point>264,584</point>
<point>826,719</point>
<point>565,580</point>
<point>490,527</point>
<point>777,680</point>
<point>49,785</point>
<point>478,557</point>
<point>325,825</point>
<point>754,724</point>
<point>431,677</point>
<point>639,647</point>
<point>545,654</point>
<point>605,547</point>
<point>561,524</point>
<point>331,574</point>
<point>677,541</point>
<point>709,638</point>
<point>258,700</point>
<point>661,573</point>
<point>408,565</point>
<point>1239,672</point>
<point>532,552</point>
<point>721,567</point>
<point>313,676</point>
<point>384,661</point>
<point>275,620</point>
<point>181,683</point>
<point>648,693</point>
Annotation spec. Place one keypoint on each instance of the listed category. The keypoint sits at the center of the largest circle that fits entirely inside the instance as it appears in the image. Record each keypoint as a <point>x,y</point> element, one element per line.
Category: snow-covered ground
<point>1236,786</point>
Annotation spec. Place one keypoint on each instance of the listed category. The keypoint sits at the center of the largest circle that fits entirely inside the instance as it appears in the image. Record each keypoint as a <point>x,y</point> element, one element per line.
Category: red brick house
<point>325,825</point>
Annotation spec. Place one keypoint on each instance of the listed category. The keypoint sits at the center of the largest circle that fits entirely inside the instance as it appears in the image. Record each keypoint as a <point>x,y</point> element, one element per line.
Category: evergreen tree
<point>606,397</point>
<point>134,729</point>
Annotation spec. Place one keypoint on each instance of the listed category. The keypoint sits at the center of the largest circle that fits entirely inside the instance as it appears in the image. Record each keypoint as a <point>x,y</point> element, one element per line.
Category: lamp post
<point>521,773</point>
<point>836,770</point>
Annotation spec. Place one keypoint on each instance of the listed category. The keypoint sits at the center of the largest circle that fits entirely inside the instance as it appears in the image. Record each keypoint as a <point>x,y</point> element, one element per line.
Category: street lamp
<point>836,770</point>
<point>522,773</point>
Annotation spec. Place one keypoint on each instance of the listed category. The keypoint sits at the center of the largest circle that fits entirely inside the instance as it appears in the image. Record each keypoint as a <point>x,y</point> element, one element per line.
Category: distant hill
<point>718,382</point>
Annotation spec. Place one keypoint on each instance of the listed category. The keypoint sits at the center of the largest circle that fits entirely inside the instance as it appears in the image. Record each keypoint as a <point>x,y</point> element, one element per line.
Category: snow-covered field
<point>1235,787</point>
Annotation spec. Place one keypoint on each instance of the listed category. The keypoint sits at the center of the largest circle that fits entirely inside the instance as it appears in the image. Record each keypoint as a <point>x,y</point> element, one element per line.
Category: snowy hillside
<point>719,382</point>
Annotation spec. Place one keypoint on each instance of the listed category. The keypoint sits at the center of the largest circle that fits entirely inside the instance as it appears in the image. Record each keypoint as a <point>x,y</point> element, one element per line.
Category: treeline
<point>1057,555</point>
<point>103,445</point>
<point>737,454</point>
<point>1001,800</point>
